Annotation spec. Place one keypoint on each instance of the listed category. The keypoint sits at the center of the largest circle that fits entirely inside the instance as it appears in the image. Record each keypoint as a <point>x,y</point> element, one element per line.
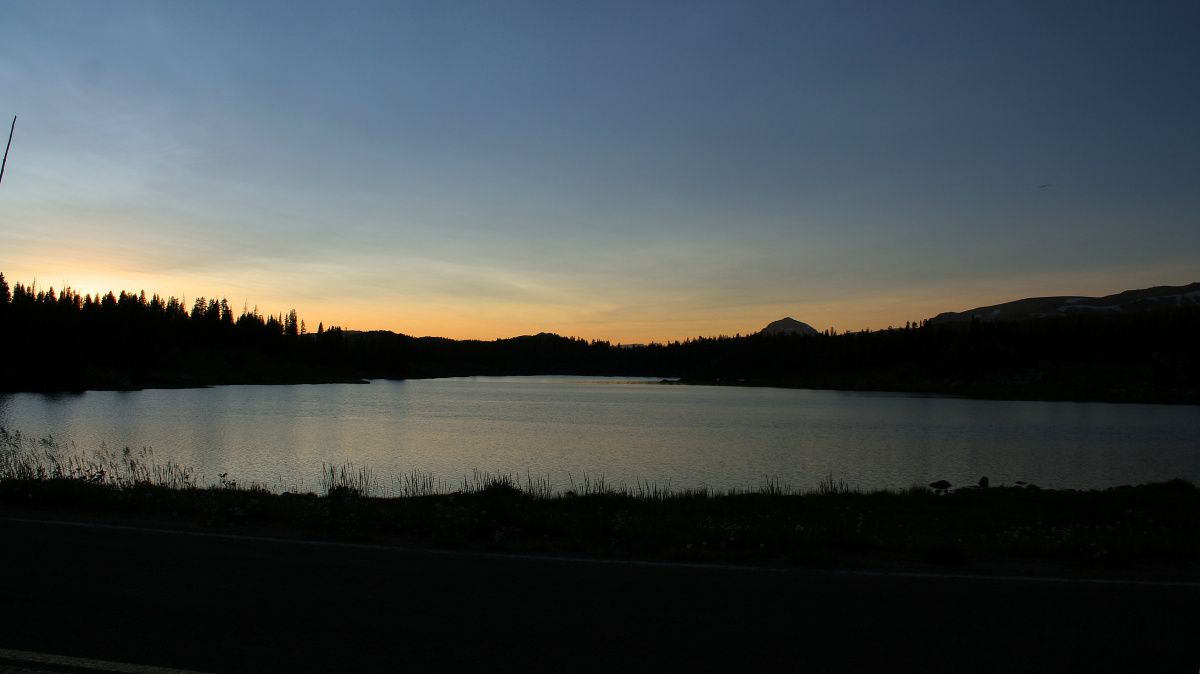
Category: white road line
<point>617,562</point>
<point>34,659</point>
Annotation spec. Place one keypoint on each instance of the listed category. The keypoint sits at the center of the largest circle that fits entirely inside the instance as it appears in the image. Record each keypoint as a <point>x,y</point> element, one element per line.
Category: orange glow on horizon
<point>467,318</point>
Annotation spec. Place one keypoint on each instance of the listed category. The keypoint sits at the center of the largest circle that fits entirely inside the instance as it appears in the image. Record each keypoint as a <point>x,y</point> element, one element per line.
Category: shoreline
<point>1145,531</point>
<point>1007,393</point>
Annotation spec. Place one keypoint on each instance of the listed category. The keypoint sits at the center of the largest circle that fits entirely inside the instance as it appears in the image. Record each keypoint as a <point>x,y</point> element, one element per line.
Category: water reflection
<point>566,427</point>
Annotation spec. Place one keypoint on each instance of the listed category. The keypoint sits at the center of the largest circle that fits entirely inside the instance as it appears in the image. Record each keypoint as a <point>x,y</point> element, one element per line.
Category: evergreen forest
<point>63,341</point>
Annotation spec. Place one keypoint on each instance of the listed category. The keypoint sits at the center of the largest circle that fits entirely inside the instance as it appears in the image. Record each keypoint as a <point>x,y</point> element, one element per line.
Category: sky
<point>621,171</point>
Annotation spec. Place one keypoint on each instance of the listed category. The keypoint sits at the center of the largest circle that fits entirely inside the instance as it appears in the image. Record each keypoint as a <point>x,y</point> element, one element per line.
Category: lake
<point>624,430</point>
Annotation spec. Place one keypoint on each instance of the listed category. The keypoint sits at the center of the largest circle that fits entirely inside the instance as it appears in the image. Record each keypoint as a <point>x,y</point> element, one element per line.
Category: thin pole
<point>10,133</point>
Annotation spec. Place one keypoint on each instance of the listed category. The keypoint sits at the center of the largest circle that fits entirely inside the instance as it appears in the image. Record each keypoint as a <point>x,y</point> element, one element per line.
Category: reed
<point>25,458</point>
<point>347,481</point>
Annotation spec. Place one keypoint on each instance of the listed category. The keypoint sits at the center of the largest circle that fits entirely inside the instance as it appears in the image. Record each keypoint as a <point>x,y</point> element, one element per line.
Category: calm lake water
<point>624,430</point>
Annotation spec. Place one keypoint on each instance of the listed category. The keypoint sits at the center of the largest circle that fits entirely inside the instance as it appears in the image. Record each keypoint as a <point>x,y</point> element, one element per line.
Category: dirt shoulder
<point>814,559</point>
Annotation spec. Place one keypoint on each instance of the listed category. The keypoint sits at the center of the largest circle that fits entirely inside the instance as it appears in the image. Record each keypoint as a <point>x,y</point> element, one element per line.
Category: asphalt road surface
<point>216,603</point>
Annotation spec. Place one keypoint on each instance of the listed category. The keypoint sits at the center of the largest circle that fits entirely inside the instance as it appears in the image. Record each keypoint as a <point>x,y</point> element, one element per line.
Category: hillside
<point>788,326</point>
<point>1159,298</point>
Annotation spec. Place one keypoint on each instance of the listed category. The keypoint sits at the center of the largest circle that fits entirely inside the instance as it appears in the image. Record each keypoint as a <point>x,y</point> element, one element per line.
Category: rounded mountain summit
<point>789,326</point>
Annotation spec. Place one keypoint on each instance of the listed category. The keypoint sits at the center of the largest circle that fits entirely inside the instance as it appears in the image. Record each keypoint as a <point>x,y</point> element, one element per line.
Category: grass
<point>1124,528</point>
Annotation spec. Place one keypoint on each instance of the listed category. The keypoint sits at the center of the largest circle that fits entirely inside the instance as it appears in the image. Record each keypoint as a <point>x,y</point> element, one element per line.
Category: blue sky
<point>622,171</point>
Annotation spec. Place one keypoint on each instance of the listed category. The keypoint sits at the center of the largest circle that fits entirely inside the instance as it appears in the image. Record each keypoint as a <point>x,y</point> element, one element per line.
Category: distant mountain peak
<point>789,326</point>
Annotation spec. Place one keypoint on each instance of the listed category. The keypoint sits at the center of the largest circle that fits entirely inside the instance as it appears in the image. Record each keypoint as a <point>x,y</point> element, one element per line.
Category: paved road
<point>228,604</point>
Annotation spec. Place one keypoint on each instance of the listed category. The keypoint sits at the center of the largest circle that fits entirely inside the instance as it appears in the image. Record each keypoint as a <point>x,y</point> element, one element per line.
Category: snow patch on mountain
<point>1159,298</point>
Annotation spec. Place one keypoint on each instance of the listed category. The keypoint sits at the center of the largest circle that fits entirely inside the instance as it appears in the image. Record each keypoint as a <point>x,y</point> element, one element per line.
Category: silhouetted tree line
<point>64,341</point>
<point>1148,357</point>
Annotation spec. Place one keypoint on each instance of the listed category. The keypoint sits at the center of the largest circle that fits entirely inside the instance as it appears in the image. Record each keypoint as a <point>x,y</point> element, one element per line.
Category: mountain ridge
<point>1145,300</point>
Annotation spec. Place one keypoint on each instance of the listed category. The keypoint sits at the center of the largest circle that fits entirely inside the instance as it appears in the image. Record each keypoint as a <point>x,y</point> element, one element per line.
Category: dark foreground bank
<point>231,604</point>
<point>1128,530</point>
<point>1123,530</point>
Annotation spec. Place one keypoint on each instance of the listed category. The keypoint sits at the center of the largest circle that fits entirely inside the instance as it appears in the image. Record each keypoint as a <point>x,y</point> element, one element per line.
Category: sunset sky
<point>632,172</point>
